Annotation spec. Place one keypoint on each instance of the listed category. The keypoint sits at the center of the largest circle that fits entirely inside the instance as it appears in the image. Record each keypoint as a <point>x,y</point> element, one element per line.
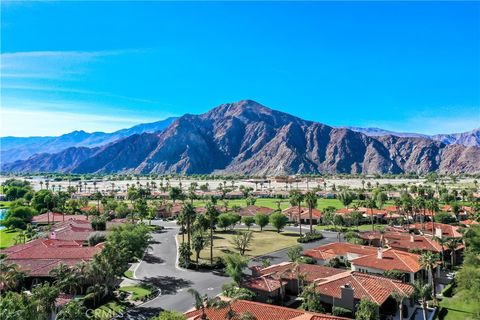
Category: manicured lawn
<point>109,310</point>
<point>263,242</point>
<point>458,308</point>
<point>138,292</point>
<point>6,238</point>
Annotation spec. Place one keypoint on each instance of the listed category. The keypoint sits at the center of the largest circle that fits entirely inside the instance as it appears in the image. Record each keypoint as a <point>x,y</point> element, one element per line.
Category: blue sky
<point>102,66</point>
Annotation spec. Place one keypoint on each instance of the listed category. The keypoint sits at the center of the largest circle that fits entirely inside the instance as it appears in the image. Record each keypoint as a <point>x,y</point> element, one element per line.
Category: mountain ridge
<point>468,138</point>
<point>246,137</point>
<point>20,148</point>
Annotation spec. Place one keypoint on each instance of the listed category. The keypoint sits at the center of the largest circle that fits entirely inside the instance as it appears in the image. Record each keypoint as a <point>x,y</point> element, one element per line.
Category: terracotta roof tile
<point>375,288</point>
<point>392,260</point>
<point>261,311</point>
<point>331,250</point>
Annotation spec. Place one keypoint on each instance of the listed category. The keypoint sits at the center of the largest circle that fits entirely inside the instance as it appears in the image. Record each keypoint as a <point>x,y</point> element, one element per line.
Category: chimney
<point>346,297</point>
<point>380,253</point>
<point>53,235</point>
<point>438,233</point>
<point>412,238</point>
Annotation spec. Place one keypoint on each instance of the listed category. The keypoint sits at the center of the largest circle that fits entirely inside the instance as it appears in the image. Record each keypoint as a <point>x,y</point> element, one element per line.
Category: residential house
<point>348,288</point>
<point>293,215</point>
<point>295,275</point>
<point>260,311</point>
<point>252,210</point>
<point>344,251</point>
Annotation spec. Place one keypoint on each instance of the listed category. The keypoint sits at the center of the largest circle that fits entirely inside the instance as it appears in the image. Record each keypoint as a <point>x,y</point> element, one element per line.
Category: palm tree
<point>442,242</point>
<point>311,200</point>
<point>428,261</point>
<point>296,198</point>
<point>181,220</point>
<point>10,276</point>
<point>452,244</point>
<point>211,213</point>
<point>432,205</point>
<point>399,297</point>
<point>189,213</point>
<point>370,204</point>
<point>46,295</point>
<point>423,292</point>
<point>202,302</point>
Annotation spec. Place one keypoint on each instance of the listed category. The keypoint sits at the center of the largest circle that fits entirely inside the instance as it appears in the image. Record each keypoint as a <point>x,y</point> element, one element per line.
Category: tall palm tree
<point>432,205</point>
<point>189,213</point>
<point>181,220</point>
<point>452,244</point>
<point>428,261</point>
<point>399,297</point>
<point>443,242</point>
<point>202,302</point>
<point>370,204</point>
<point>311,200</point>
<point>211,213</point>
<point>296,198</point>
<point>423,292</point>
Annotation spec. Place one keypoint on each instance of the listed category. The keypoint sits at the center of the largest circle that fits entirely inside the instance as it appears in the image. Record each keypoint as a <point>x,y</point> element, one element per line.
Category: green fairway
<point>6,238</point>
<point>458,308</point>
<point>272,203</point>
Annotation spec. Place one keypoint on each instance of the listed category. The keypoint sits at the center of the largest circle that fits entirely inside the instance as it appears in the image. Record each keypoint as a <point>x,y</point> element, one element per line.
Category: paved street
<point>159,269</point>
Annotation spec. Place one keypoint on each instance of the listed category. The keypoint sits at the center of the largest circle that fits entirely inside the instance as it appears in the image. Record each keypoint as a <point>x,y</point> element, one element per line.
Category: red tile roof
<point>253,210</point>
<point>392,260</point>
<point>263,283</point>
<point>468,222</point>
<point>261,311</point>
<point>403,240</point>
<point>57,217</point>
<point>290,270</point>
<point>375,288</point>
<point>331,250</point>
<point>447,230</point>
<point>39,256</point>
<point>293,211</point>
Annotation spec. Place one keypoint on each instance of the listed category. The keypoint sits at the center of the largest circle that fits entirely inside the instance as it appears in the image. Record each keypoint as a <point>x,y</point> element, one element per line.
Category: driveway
<point>159,269</point>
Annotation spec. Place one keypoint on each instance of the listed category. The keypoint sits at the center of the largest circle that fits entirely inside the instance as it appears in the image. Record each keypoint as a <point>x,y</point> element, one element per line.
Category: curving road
<point>158,268</point>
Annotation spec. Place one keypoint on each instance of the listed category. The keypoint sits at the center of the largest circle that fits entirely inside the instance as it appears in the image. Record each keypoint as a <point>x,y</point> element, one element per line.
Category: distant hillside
<point>19,148</point>
<point>469,139</point>
<point>248,138</point>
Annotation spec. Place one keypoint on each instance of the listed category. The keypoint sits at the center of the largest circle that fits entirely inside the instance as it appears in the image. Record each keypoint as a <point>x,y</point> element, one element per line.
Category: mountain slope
<point>469,139</point>
<point>14,148</point>
<point>248,138</point>
<point>64,161</point>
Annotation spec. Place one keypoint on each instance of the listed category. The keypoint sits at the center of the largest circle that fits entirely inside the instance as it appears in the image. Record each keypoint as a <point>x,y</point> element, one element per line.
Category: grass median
<point>263,242</point>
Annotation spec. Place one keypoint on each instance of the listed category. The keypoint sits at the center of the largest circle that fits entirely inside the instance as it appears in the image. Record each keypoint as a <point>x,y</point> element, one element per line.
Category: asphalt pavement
<point>159,268</point>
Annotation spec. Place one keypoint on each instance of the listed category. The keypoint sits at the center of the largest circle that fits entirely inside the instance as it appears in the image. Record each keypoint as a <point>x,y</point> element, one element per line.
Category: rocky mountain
<point>19,148</point>
<point>469,139</point>
<point>248,138</point>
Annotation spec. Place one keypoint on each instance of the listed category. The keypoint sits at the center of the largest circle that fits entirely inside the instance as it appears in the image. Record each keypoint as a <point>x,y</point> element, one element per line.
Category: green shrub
<point>341,312</point>
<point>448,290</point>
<point>309,237</point>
